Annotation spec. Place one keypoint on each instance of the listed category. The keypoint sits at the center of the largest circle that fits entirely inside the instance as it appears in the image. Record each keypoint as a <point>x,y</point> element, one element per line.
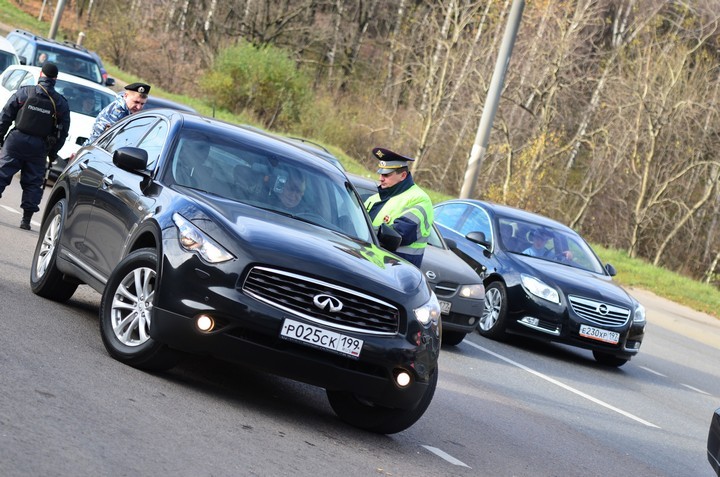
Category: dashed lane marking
<point>444,455</point>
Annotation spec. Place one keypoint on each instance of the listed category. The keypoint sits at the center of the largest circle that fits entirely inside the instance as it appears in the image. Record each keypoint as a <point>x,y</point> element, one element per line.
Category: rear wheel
<point>608,359</point>
<point>492,321</point>
<point>363,414</point>
<point>126,312</point>
<point>45,278</point>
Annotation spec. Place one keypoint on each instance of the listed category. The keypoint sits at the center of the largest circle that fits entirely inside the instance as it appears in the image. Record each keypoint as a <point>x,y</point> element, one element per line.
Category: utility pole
<point>493,98</point>
<point>56,19</point>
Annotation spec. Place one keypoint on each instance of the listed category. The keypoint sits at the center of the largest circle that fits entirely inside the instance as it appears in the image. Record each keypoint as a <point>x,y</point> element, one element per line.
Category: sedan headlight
<point>639,316</point>
<point>429,312</point>
<point>540,288</point>
<point>193,239</point>
<point>475,292</point>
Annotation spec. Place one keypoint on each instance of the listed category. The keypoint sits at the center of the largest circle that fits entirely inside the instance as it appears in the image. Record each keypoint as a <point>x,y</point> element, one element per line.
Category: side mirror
<point>131,159</point>
<point>110,81</point>
<point>478,238</point>
<point>610,270</point>
<point>389,238</point>
<point>23,60</point>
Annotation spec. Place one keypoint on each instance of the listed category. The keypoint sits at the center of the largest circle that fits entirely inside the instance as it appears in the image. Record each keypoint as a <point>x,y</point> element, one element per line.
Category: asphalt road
<point>501,409</point>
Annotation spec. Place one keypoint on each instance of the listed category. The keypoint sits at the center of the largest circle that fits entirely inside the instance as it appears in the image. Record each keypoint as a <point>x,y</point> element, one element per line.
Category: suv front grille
<point>297,295</point>
<point>599,312</point>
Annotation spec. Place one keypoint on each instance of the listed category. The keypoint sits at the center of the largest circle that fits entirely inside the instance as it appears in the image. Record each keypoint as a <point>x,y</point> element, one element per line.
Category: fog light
<point>205,323</point>
<point>528,320</point>
<point>402,378</point>
<point>471,321</point>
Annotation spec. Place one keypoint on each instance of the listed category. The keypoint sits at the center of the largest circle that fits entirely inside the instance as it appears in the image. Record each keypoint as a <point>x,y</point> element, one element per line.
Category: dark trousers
<point>32,175</point>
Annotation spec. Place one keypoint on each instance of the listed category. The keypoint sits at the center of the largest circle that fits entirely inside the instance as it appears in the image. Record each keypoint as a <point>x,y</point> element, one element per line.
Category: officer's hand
<point>52,157</point>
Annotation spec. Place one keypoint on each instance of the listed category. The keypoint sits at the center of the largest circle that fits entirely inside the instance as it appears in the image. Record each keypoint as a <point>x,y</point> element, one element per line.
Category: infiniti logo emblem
<point>327,303</point>
<point>602,309</point>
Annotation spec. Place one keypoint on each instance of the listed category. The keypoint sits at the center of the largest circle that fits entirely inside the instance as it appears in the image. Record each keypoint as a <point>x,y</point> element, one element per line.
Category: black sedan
<point>209,238</point>
<point>543,280</point>
<point>458,287</point>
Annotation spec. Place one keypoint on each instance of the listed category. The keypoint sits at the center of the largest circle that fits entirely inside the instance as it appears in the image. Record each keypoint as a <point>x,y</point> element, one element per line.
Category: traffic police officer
<point>401,204</point>
<point>126,103</point>
<point>42,120</point>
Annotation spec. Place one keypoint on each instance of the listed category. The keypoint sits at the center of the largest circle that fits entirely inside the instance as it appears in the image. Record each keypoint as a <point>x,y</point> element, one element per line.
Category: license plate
<point>320,338</point>
<point>444,307</point>
<point>599,334</point>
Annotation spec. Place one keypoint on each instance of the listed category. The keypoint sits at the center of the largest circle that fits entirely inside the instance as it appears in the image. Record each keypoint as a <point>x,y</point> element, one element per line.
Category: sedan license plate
<point>599,334</point>
<point>320,338</point>
<point>444,307</point>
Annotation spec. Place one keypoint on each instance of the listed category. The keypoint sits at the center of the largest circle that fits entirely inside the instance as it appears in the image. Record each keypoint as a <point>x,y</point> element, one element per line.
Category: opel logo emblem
<point>602,309</point>
<point>327,303</point>
<point>430,274</point>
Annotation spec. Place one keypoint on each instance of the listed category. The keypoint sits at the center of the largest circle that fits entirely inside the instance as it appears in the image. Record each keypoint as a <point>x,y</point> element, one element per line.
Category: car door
<point>457,219</point>
<point>120,203</point>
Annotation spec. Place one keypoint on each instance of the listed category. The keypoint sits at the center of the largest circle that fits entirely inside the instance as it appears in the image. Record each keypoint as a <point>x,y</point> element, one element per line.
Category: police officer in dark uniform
<point>42,120</point>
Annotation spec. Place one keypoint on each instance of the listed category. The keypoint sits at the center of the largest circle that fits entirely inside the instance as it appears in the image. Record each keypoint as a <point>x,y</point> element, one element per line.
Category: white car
<point>8,56</point>
<point>85,98</point>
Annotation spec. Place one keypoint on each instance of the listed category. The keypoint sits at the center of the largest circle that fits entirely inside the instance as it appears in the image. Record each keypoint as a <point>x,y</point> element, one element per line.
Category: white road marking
<point>14,211</point>
<point>652,371</point>
<point>695,389</point>
<point>446,456</point>
<point>564,386</point>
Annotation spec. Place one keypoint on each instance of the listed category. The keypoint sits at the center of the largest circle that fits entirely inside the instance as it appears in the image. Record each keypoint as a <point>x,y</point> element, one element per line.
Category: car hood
<point>574,281</point>
<point>267,238</point>
<point>442,265</point>
<point>80,127</point>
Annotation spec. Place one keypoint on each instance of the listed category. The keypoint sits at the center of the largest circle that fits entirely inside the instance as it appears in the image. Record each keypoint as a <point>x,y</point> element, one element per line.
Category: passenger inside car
<point>189,164</point>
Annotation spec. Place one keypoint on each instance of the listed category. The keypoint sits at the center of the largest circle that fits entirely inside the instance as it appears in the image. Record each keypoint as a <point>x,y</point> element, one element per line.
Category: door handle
<point>107,181</point>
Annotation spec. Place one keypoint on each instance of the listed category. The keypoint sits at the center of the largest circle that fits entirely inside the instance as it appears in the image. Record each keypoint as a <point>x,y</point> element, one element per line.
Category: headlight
<point>476,291</point>
<point>193,239</point>
<point>639,316</point>
<point>429,312</point>
<point>540,288</point>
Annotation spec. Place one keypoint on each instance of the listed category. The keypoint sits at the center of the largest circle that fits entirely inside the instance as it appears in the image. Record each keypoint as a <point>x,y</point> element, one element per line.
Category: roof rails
<point>67,43</point>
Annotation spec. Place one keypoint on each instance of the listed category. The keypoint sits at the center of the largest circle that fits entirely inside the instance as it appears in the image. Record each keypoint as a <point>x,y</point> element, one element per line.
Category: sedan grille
<point>445,289</point>
<point>322,302</point>
<point>599,312</point>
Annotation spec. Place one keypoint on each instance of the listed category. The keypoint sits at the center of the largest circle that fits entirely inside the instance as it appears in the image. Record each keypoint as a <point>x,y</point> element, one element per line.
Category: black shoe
<point>25,224</point>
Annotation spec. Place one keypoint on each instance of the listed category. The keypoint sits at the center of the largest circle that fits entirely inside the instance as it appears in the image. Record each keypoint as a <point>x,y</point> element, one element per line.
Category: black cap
<point>390,161</point>
<point>539,233</point>
<point>50,70</point>
<point>138,87</point>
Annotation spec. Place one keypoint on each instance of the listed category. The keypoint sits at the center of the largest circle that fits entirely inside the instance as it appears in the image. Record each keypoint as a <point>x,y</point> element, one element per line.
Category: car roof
<point>157,102</point>
<point>54,44</point>
<point>35,70</point>
<point>511,213</point>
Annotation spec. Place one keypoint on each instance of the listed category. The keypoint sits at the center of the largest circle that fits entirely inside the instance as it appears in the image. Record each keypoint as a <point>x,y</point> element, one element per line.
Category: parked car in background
<point>85,98</point>
<point>103,71</point>
<point>564,295</point>
<point>209,238</point>
<point>8,56</point>
<point>70,58</point>
<point>459,288</point>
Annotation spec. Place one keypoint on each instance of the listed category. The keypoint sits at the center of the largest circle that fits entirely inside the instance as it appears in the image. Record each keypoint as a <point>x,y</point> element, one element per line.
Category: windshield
<point>82,99</point>
<point>547,243</point>
<point>257,177</point>
<point>7,59</point>
<point>67,62</point>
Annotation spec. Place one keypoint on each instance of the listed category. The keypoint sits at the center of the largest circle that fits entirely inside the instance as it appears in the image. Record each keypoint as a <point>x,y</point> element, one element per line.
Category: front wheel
<point>126,311</point>
<point>45,278</point>
<point>363,414</point>
<point>492,321</point>
<point>608,359</point>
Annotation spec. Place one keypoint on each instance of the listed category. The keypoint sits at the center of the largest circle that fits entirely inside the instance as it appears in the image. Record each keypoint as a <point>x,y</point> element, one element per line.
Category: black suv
<point>69,57</point>
<point>214,239</point>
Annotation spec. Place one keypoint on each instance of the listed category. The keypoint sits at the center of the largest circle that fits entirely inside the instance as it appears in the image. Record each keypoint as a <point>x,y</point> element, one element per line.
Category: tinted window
<point>130,134</point>
<point>153,143</point>
<point>7,59</point>
<point>477,221</point>
<point>74,64</point>
<point>449,214</point>
<point>83,100</point>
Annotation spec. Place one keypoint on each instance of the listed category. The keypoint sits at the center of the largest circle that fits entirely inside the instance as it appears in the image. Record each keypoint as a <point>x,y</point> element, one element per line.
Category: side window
<point>153,143</point>
<point>27,81</point>
<point>130,134</point>
<point>449,214</point>
<point>12,80</point>
<point>477,221</point>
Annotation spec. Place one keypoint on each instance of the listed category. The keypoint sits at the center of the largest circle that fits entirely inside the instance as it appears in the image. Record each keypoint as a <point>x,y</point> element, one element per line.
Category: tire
<point>492,321</point>
<point>45,279</point>
<point>452,338</point>
<point>126,312</point>
<point>608,359</point>
<point>383,420</point>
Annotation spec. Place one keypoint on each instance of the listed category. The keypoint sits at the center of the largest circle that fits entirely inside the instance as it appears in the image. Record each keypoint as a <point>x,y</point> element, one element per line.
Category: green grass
<point>631,272</point>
